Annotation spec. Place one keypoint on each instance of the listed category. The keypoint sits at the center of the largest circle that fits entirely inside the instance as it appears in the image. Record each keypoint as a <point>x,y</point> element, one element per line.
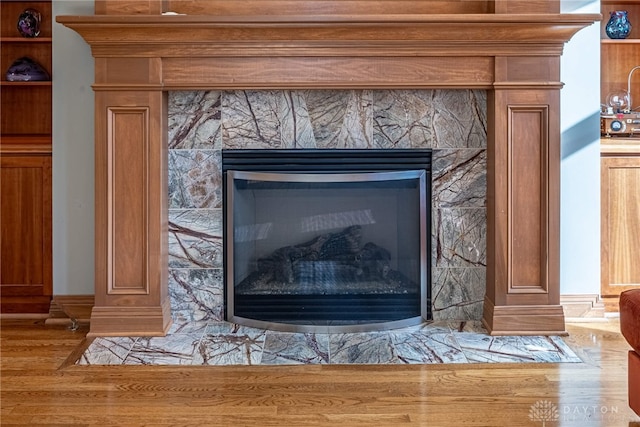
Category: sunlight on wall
<point>580,167</point>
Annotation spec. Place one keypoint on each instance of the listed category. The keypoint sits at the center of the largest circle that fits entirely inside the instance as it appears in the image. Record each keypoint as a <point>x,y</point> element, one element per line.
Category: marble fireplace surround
<point>203,123</point>
<point>141,57</point>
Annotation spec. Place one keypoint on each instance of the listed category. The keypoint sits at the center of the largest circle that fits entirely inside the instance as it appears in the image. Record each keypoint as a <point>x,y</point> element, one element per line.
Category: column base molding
<point>523,319</point>
<point>111,321</point>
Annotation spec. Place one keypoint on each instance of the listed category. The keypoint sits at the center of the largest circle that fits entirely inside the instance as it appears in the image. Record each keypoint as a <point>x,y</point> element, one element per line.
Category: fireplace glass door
<point>307,251</point>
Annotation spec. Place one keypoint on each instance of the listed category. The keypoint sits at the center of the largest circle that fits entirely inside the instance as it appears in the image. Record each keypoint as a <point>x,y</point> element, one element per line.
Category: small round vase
<point>29,23</point>
<point>618,26</point>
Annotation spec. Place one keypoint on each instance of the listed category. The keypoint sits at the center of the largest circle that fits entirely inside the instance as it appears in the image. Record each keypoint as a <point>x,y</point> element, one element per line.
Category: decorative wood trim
<point>528,189</point>
<point>513,53</point>
<point>128,186</point>
<point>128,87</point>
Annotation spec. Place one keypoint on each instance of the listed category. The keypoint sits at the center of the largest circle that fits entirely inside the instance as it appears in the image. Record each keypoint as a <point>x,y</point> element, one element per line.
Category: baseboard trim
<point>70,309</point>
<point>582,306</point>
<point>23,316</point>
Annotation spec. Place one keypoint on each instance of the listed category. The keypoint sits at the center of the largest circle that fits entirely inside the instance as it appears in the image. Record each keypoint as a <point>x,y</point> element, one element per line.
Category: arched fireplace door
<point>327,240</point>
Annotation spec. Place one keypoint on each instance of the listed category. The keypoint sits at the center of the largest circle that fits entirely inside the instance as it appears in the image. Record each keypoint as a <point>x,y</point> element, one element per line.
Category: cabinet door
<point>25,227</point>
<point>620,227</point>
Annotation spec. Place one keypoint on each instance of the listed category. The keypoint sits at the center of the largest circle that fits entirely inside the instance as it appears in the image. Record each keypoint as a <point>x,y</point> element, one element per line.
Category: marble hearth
<point>202,123</point>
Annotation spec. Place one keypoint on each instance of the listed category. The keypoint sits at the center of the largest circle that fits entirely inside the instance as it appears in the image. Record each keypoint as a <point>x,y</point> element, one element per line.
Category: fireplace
<point>511,49</point>
<point>327,239</point>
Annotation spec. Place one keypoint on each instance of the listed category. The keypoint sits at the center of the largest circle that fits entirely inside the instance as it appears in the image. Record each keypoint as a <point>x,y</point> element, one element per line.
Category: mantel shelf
<point>445,30</point>
<point>330,19</point>
<point>27,83</point>
<point>620,41</point>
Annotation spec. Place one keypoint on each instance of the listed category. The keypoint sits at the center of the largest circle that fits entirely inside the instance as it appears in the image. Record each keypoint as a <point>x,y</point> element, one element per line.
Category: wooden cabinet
<point>25,182</point>
<point>25,166</point>
<point>620,218</point>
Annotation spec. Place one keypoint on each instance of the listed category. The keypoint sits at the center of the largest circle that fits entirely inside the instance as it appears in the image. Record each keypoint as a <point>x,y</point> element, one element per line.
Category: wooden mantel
<point>510,48</point>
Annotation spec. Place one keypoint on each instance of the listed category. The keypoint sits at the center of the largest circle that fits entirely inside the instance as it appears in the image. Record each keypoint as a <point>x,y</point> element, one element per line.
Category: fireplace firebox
<point>327,240</point>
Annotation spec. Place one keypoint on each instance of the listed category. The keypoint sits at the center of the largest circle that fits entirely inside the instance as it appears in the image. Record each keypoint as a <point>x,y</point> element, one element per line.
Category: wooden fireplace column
<point>140,55</point>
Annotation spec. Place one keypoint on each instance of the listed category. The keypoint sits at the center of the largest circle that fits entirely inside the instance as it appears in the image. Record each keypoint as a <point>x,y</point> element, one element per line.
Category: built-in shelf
<point>29,139</point>
<point>25,40</point>
<point>38,83</point>
<point>26,284</point>
<point>620,41</point>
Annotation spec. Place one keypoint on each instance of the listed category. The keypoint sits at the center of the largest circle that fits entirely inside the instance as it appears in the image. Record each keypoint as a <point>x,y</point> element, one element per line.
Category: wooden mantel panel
<point>325,72</point>
<point>130,7</point>
<point>323,7</point>
<point>522,6</point>
<point>511,48</point>
<point>212,7</point>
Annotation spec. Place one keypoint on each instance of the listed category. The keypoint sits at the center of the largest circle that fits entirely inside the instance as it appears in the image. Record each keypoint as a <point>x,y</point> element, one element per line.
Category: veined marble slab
<point>451,122</point>
<point>223,343</point>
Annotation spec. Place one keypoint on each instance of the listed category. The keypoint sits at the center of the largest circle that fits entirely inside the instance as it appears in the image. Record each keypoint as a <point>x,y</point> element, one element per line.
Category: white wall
<point>580,167</point>
<point>73,106</point>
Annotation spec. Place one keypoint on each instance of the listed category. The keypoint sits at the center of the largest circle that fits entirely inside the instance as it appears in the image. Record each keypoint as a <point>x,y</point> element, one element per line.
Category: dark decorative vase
<point>618,26</point>
<point>29,23</point>
<point>26,69</point>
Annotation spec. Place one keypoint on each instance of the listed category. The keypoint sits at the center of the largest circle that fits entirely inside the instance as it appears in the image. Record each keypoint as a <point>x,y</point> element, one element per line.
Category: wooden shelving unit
<point>618,57</point>
<point>620,164</point>
<point>25,167</point>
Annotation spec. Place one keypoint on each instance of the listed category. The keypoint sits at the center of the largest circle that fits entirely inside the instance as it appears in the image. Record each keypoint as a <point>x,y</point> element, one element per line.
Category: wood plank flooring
<point>40,387</point>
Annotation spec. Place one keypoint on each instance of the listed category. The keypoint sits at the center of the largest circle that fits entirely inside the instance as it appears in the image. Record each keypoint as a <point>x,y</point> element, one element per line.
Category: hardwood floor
<point>40,386</point>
